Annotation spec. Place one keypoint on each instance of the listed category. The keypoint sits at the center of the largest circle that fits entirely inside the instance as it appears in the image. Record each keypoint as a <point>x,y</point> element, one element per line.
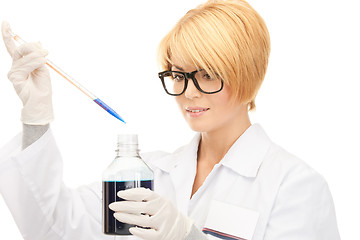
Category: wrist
<point>31,133</point>
<point>38,111</point>
<point>189,223</point>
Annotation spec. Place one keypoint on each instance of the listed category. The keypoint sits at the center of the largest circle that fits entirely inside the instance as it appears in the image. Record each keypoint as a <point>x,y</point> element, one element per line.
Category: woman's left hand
<point>145,208</point>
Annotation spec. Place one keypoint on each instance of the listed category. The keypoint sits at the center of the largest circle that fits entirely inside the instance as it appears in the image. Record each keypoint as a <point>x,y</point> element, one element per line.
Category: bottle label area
<point>112,226</point>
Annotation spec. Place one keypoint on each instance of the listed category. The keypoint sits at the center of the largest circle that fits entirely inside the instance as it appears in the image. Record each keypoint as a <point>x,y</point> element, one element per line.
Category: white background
<point>309,102</point>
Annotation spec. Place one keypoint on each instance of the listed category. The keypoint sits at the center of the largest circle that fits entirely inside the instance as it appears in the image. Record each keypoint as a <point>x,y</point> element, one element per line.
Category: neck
<point>215,144</point>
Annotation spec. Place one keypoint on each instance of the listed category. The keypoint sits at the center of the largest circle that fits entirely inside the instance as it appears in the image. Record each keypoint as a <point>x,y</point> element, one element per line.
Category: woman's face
<point>208,112</point>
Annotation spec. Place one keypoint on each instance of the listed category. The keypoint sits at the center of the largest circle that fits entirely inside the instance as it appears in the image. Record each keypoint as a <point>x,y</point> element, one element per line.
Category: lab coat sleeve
<point>42,206</point>
<point>303,209</point>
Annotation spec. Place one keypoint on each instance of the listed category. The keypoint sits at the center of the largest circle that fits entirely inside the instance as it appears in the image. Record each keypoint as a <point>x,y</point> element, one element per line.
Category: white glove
<point>31,79</point>
<point>146,208</point>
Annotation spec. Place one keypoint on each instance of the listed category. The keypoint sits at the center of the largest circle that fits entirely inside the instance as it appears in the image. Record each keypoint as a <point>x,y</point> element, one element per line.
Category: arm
<point>31,180</point>
<point>42,206</point>
<point>303,209</point>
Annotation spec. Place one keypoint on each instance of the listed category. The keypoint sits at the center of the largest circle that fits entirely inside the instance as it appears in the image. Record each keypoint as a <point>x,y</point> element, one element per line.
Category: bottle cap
<point>127,139</point>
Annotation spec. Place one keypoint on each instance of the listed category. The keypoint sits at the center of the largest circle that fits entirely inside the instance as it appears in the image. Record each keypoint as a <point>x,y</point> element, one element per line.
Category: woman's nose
<point>191,90</point>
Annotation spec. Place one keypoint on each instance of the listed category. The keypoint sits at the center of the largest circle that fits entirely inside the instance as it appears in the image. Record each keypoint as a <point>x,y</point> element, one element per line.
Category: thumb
<point>7,37</point>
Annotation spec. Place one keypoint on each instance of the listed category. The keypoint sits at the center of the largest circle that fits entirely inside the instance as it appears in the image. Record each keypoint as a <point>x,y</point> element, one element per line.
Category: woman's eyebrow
<point>180,68</point>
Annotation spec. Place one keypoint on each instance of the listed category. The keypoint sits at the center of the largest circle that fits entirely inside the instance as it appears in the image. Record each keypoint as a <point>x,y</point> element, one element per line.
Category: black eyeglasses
<point>176,82</point>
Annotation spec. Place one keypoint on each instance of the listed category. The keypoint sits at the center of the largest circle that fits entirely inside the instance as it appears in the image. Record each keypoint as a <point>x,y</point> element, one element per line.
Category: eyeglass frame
<point>187,75</point>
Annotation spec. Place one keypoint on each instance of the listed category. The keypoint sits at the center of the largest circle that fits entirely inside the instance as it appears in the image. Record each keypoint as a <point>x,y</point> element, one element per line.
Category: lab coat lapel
<point>183,173</point>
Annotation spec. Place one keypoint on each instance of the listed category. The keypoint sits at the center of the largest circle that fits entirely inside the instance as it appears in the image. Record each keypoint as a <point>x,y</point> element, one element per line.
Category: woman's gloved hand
<point>146,208</point>
<point>31,79</point>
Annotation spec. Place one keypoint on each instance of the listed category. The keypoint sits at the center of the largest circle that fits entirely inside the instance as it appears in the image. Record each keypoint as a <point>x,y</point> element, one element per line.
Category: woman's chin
<point>198,127</point>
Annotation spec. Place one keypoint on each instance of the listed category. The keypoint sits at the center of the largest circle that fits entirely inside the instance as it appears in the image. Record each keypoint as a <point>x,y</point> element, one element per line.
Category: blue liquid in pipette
<point>108,109</point>
<point>73,82</point>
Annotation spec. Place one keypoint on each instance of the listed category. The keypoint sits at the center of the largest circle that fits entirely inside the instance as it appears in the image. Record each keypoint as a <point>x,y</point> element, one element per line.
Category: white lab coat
<point>257,191</point>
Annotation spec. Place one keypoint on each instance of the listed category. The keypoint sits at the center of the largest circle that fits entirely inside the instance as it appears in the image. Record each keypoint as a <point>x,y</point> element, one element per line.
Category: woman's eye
<point>178,77</point>
<point>207,76</point>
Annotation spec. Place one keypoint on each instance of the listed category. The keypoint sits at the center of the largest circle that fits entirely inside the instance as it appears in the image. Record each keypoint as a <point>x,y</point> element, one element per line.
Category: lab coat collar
<point>247,153</point>
<point>244,157</point>
<point>183,155</point>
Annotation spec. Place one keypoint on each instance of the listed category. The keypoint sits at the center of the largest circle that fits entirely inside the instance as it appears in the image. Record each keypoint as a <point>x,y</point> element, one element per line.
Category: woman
<point>229,182</point>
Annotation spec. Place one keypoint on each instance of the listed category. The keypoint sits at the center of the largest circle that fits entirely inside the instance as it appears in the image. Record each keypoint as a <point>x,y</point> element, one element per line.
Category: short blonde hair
<point>227,38</point>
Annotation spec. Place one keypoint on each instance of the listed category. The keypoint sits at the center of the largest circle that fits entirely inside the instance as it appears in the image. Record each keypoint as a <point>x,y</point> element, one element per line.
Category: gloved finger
<point>23,67</point>
<point>34,58</point>
<point>137,194</point>
<point>148,207</point>
<point>139,220</point>
<point>143,233</point>
<point>27,48</point>
<point>29,59</point>
<point>129,207</point>
<point>40,74</point>
<point>9,42</point>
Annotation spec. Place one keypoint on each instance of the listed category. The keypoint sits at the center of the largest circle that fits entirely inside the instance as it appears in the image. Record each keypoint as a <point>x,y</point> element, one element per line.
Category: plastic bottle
<point>127,170</point>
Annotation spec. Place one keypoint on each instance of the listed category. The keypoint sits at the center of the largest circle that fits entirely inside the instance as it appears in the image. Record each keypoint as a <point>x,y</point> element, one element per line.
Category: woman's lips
<point>196,111</point>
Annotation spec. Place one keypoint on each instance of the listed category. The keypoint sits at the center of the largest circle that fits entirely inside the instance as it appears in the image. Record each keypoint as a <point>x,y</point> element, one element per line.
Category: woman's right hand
<point>31,79</point>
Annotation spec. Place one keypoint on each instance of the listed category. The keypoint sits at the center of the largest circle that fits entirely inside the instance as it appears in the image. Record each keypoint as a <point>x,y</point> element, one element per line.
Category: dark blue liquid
<point>112,226</point>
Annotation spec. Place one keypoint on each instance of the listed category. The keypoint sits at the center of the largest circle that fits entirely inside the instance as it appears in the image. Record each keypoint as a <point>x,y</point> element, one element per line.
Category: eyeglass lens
<point>175,82</point>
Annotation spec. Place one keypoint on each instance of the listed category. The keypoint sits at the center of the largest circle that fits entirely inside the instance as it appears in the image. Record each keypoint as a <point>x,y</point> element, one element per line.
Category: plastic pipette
<point>74,82</point>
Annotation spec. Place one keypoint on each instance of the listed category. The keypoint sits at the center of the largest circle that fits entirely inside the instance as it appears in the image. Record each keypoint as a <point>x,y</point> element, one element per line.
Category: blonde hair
<point>227,38</point>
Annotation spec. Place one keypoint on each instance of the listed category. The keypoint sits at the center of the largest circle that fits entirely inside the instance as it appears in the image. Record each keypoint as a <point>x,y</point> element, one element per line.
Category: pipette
<point>74,82</point>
